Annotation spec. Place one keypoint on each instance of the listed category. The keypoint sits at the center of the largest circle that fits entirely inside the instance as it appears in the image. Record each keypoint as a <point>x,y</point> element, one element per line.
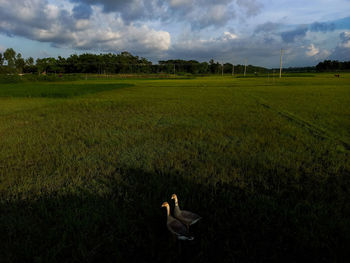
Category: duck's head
<point>174,196</point>
<point>165,204</point>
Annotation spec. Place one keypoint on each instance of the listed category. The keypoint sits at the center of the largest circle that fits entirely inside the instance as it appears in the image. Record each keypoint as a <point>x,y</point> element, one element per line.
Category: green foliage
<point>264,162</point>
<point>19,63</point>
<point>10,78</point>
<point>123,63</point>
<point>333,65</point>
<point>2,59</point>
<point>10,57</point>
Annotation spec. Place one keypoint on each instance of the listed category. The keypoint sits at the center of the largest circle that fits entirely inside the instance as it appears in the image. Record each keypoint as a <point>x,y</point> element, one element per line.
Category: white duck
<point>186,217</point>
<point>175,226</point>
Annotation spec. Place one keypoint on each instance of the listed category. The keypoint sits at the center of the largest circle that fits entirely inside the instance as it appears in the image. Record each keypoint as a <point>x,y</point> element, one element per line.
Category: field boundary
<point>313,129</point>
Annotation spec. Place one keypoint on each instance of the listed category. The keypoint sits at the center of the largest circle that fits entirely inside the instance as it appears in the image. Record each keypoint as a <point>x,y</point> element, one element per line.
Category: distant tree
<point>19,63</point>
<point>125,62</point>
<point>2,59</point>
<point>47,65</point>
<point>29,61</point>
<point>10,57</point>
<point>203,68</point>
<point>61,64</point>
<point>332,65</point>
<point>214,67</point>
<point>29,66</point>
<point>228,68</point>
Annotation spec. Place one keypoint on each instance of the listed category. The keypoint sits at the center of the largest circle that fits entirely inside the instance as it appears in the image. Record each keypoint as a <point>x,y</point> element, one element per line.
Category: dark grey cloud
<point>267,27</point>
<point>291,36</point>
<point>322,27</point>
<point>343,23</point>
<point>82,11</point>
<point>299,32</point>
<point>130,10</point>
<point>198,13</point>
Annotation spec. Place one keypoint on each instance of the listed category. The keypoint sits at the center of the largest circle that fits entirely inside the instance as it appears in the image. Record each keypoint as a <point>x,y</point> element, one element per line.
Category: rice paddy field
<point>85,166</point>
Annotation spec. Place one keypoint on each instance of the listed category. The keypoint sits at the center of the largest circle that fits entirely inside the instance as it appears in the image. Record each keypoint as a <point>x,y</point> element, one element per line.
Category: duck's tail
<point>189,238</point>
<point>196,220</point>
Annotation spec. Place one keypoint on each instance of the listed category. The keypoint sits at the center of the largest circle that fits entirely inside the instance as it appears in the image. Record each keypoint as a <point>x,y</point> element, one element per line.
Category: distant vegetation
<point>126,63</point>
<point>333,65</point>
<point>114,64</point>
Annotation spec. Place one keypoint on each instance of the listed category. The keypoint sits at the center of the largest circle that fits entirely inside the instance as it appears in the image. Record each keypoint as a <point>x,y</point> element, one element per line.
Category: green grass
<point>264,162</point>
<point>55,90</point>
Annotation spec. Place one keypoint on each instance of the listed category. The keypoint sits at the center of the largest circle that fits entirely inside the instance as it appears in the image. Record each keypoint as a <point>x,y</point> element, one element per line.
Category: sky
<point>224,30</point>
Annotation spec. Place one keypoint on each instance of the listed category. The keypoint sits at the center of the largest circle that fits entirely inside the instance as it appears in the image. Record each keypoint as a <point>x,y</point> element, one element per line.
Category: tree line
<point>12,62</point>
<point>333,65</point>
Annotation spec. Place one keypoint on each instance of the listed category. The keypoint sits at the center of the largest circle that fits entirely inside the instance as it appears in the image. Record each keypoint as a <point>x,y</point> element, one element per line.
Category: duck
<point>178,229</point>
<point>186,217</point>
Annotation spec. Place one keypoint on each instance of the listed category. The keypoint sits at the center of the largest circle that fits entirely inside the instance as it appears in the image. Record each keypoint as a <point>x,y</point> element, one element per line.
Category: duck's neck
<point>168,211</point>
<point>176,202</point>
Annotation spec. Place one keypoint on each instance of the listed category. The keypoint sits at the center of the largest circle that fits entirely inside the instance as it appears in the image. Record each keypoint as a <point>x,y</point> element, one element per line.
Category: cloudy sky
<point>225,30</point>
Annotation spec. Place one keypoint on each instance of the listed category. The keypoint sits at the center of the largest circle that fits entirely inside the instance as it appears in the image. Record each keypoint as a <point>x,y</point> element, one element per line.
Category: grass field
<point>86,165</point>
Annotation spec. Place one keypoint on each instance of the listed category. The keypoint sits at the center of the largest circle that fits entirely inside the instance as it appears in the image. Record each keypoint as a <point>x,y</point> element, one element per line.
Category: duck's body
<point>186,217</point>
<point>175,226</point>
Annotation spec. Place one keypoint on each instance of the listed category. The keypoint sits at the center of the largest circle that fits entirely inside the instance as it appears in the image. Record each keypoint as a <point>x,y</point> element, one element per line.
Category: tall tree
<point>1,60</point>
<point>10,56</point>
<point>29,66</point>
<point>29,61</point>
<point>19,63</point>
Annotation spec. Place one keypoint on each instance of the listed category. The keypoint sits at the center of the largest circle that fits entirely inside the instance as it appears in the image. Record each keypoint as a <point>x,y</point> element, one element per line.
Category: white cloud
<point>38,20</point>
<point>342,51</point>
<point>312,51</point>
<point>345,36</point>
<point>228,35</point>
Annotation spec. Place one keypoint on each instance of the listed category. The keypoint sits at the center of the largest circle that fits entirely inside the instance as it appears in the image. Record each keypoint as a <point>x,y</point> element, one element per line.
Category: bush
<point>10,78</point>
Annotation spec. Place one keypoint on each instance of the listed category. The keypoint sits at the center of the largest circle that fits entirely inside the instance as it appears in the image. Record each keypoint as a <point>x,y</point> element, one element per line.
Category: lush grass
<point>55,90</point>
<point>265,162</point>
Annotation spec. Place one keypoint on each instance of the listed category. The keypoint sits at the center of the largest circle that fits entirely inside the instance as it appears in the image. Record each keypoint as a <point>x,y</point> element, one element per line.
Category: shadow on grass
<point>127,224</point>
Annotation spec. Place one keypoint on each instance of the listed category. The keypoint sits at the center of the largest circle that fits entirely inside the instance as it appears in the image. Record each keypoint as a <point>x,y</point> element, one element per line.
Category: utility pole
<point>174,69</point>
<point>233,69</point>
<point>281,62</point>
<point>222,69</point>
<point>245,68</point>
